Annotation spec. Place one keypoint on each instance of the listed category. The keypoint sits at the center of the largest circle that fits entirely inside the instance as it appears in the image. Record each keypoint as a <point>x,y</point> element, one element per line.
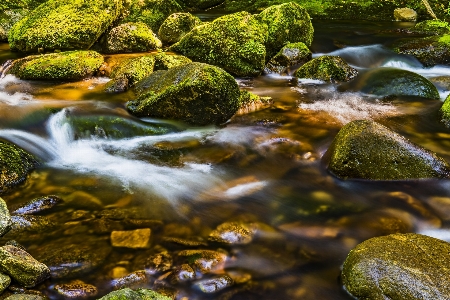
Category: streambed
<point>263,168</point>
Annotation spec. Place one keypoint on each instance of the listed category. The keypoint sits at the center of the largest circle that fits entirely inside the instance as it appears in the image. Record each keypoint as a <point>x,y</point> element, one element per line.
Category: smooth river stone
<point>134,239</point>
<point>214,285</point>
<point>76,290</point>
<point>233,233</point>
<point>38,205</point>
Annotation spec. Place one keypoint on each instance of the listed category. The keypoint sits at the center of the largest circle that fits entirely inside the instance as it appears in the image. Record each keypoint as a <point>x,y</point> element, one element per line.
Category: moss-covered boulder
<point>431,27</point>
<point>176,26</point>
<point>397,82</point>
<point>202,4</point>
<point>398,267</point>
<point>151,12</point>
<point>130,37</point>
<point>327,68</point>
<point>250,102</point>
<point>164,61</point>
<point>64,24</point>
<point>195,93</point>
<point>429,51</point>
<point>129,294</point>
<point>286,23</point>
<point>290,55</point>
<point>70,65</point>
<point>234,42</point>
<point>8,18</point>
<point>367,150</point>
<point>445,111</point>
<point>129,72</point>
<point>15,164</point>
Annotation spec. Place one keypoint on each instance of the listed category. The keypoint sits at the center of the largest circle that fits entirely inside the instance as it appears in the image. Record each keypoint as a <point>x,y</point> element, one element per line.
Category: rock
<point>164,61</point>
<point>158,263</point>
<point>3,35</point>
<point>5,218</point>
<point>233,42</point>
<point>133,239</point>
<point>76,290</point>
<point>129,72</point>
<point>445,112</point>
<point>133,280</point>
<point>214,285</point>
<point>129,294</point>
<point>83,200</point>
<point>397,82</point>
<point>130,37</point>
<point>286,23</point>
<point>204,261</point>
<point>23,224</point>
<point>233,233</point>
<point>22,267</point>
<point>9,17</point>
<point>38,205</point>
<point>405,14</point>
<point>64,24</point>
<point>327,68</point>
<point>431,27</point>
<point>251,102</point>
<point>5,281</point>
<point>181,274</point>
<point>188,242</point>
<point>203,4</point>
<point>290,55</point>
<point>148,294</point>
<point>176,26</point>
<point>367,150</point>
<point>71,65</point>
<point>15,165</point>
<point>151,12</point>
<point>25,297</point>
<point>195,93</point>
<point>398,266</point>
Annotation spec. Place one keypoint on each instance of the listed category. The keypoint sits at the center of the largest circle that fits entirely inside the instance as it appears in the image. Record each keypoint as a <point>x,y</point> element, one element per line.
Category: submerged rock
<point>64,24</point>
<point>22,267</point>
<point>405,14</point>
<point>130,71</point>
<point>70,65</point>
<point>130,37</point>
<point>398,266</point>
<point>214,285</point>
<point>251,102</point>
<point>233,233</point>
<point>397,82</point>
<point>176,26</point>
<point>133,280</point>
<point>164,61</point>
<point>367,150</point>
<point>158,263</point>
<point>290,55</point>
<point>140,294</point>
<point>204,261</point>
<point>195,93</point>
<point>38,205</point>
<point>76,290</point>
<point>327,68</point>
<point>182,273</point>
<point>134,239</point>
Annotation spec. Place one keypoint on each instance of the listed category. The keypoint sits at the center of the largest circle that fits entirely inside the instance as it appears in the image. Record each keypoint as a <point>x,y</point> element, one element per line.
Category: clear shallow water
<point>262,168</point>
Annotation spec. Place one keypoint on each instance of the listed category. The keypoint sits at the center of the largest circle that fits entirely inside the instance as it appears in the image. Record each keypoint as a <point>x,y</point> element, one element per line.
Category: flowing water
<point>262,168</point>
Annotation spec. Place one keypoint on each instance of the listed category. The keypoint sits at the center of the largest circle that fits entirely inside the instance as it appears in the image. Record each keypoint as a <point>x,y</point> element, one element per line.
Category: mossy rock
<point>20,4</point>
<point>70,65</point>
<point>445,111</point>
<point>10,17</point>
<point>64,24</point>
<point>129,294</point>
<point>250,102</point>
<point>164,61</point>
<point>397,82</point>
<point>15,164</point>
<point>130,71</point>
<point>367,150</point>
<point>430,51</point>
<point>195,93</point>
<point>202,4</point>
<point>398,267</point>
<point>151,12</point>
<point>431,27</point>
<point>286,23</point>
<point>130,37</point>
<point>176,26</point>
<point>234,42</point>
<point>3,35</point>
<point>290,55</point>
<point>327,68</point>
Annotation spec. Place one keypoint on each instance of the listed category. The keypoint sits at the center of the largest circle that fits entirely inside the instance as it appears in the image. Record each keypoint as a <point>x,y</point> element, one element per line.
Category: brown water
<point>263,168</point>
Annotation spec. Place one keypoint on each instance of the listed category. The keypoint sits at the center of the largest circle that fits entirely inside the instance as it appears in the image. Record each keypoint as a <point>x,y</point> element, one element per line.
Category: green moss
<point>20,4</point>
<point>133,69</point>
<point>327,68</point>
<point>195,93</point>
<point>429,51</point>
<point>10,17</point>
<point>147,294</point>
<point>445,111</point>
<point>367,150</point>
<point>203,4</point>
<point>71,65</point>
<point>151,12</point>
<point>286,23</point>
<point>176,26</point>
<point>164,61</point>
<point>290,55</point>
<point>130,37</point>
<point>234,42</point>
<point>433,27</point>
<point>123,294</point>
<point>64,24</point>
<point>250,102</point>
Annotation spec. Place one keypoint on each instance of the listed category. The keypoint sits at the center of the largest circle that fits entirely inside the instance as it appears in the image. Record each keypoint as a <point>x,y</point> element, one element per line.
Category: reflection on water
<point>262,169</point>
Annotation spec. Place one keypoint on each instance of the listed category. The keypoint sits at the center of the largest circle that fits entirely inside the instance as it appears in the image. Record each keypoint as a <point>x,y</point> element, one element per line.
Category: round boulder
<point>290,55</point>
<point>405,14</point>
<point>176,26</point>
<point>327,68</point>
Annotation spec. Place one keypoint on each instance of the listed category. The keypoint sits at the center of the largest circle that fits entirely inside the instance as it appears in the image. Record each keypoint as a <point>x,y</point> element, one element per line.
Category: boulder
<point>151,12</point>
<point>164,61</point>
<point>70,65</point>
<point>327,68</point>
<point>203,4</point>
<point>398,267</point>
<point>140,294</point>
<point>76,289</point>
<point>233,42</point>
<point>431,27</point>
<point>286,23</point>
<point>405,14</point>
<point>8,18</point>
<point>176,26</point>
<point>130,71</point>
<point>5,218</point>
<point>445,111</point>
<point>290,55</point>
<point>64,24</point>
<point>15,165</point>
<point>130,37</point>
<point>22,267</point>
<point>195,93</point>
<point>397,82</point>
<point>367,150</point>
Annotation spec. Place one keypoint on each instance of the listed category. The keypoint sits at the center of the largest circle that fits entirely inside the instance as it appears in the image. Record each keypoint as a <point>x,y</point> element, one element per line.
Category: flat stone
<point>134,239</point>
<point>76,290</point>
<point>214,285</point>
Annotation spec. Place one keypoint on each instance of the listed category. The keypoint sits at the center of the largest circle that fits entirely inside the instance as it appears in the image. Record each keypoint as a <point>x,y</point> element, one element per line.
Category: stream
<point>262,168</point>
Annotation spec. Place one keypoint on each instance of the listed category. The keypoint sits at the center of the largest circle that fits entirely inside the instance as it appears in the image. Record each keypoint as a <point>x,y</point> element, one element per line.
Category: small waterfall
<point>5,67</point>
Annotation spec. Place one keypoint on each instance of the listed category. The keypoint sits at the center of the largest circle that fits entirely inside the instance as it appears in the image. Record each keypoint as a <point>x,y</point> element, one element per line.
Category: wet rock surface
<point>233,233</point>
<point>5,218</point>
<point>327,68</point>
<point>290,55</point>
<point>176,26</point>
<point>135,239</point>
<point>38,205</point>
<point>76,290</point>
